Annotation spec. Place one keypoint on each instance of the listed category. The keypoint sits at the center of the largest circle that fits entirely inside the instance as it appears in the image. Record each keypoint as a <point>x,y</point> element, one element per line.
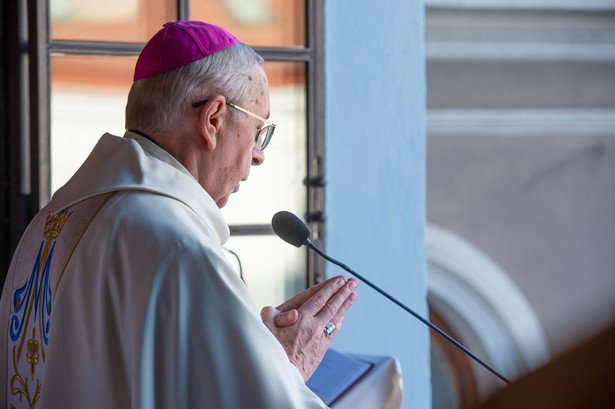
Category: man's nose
<point>258,156</point>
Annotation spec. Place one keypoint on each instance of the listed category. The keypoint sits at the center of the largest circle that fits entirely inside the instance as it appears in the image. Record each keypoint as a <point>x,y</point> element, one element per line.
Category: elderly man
<point>119,294</point>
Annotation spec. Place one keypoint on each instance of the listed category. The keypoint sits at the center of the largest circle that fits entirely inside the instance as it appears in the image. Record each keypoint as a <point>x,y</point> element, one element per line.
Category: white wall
<point>375,107</point>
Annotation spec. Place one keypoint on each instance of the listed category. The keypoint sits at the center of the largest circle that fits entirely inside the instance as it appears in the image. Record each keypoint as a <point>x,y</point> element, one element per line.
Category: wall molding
<point>597,5</point>
<point>520,122</point>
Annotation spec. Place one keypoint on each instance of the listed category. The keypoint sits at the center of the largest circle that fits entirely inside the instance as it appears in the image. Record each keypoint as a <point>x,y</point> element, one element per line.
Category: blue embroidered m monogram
<point>35,279</point>
<point>37,289</point>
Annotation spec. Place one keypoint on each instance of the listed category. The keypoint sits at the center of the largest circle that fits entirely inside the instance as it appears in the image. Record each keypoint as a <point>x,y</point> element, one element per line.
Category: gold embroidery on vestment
<point>24,390</point>
<point>54,224</point>
<point>19,385</point>
<point>40,295</point>
<point>32,352</point>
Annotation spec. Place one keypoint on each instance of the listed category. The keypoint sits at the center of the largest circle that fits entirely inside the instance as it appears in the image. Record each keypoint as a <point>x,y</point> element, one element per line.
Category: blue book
<point>337,374</point>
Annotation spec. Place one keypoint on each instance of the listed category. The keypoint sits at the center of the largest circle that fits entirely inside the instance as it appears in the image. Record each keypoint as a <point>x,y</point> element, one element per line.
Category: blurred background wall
<point>520,182</point>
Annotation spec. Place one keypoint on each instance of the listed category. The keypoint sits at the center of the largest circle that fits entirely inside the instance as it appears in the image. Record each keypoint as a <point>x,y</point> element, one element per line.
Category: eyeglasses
<point>263,134</point>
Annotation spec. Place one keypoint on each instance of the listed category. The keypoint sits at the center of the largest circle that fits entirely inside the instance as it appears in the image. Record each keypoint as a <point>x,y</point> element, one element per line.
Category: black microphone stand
<point>311,245</point>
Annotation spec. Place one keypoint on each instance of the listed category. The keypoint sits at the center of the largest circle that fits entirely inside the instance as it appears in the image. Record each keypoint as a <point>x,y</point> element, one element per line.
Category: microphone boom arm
<point>311,245</point>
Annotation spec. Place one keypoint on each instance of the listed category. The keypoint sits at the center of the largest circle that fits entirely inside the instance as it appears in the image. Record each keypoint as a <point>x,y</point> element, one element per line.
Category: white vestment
<point>147,313</point>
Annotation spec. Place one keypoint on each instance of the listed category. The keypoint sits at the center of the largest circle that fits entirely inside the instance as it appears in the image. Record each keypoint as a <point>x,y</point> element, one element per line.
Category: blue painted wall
<point>375,107</point>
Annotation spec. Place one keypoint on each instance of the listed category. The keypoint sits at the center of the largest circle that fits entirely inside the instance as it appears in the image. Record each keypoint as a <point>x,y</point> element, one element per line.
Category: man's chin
<point>222,202</point>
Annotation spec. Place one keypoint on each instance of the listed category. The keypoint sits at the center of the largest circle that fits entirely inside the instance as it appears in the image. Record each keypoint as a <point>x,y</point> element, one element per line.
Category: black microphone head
<point>290,228</point>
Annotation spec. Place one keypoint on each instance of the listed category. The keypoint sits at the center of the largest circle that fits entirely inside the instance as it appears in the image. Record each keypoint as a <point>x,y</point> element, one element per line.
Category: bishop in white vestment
<point>119,294</point>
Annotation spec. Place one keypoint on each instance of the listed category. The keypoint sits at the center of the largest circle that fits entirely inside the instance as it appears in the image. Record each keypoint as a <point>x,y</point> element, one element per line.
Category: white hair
<point>157,103</point>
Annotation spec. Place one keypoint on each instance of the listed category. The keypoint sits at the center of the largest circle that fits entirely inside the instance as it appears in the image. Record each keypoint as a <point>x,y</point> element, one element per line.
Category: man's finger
<point>268,316</point>
<point>325,298</point>
<point>338,319</point>
<point>286,319</point>
<point>301,298</point>
<point>337,305</point>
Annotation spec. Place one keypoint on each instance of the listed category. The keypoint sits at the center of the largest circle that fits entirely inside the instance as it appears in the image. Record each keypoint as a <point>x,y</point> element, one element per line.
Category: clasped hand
<point>299,322</point>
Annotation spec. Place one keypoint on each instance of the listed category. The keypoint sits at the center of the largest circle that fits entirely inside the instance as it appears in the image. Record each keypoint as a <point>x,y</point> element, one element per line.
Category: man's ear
<point>211,120</point>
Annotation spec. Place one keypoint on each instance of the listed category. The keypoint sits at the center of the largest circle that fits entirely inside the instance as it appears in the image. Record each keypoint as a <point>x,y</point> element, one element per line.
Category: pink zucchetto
<point>180,43</point>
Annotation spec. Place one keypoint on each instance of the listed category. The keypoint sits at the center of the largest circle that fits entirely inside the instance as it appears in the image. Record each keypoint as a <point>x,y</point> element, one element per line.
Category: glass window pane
<point>273,270</point>
<point>109,20</point>
<point>278,183</point>
<point>258,23</point>
<point>88,98</point>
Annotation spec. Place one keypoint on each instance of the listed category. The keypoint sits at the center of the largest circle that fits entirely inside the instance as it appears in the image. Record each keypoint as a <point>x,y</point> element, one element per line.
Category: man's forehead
<point>260,93</point>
